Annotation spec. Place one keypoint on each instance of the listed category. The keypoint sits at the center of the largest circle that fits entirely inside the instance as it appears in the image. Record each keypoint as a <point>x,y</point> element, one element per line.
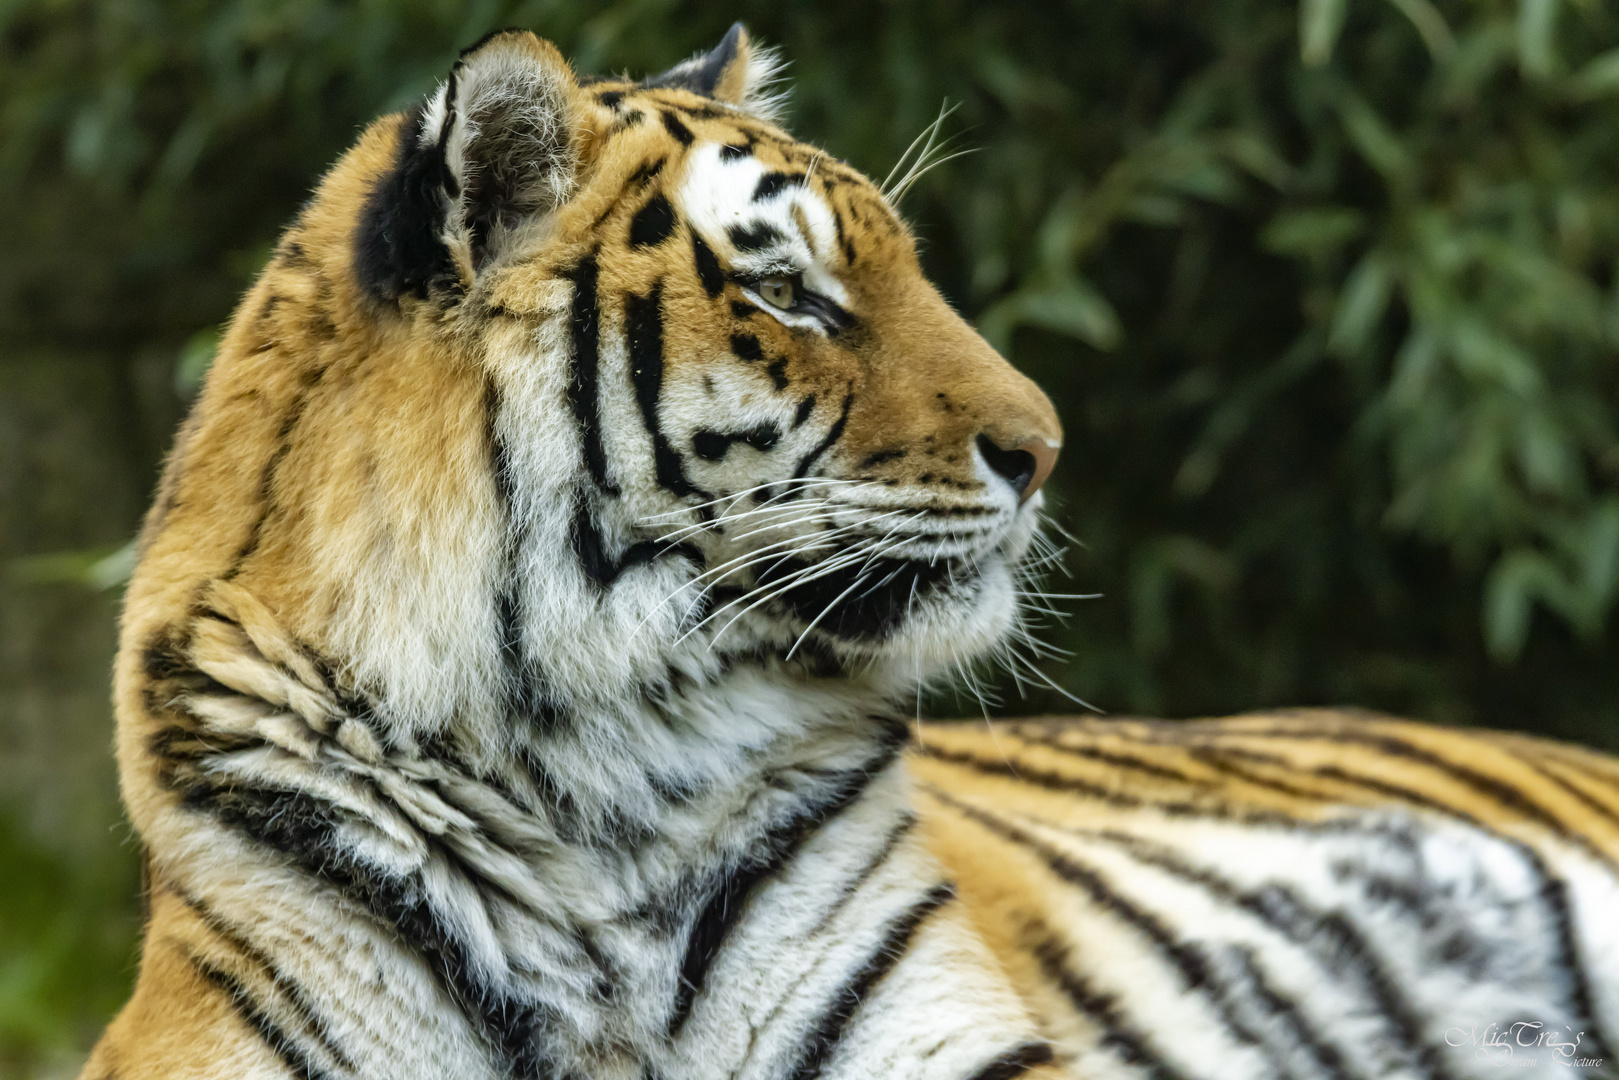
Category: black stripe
<point>524,687</point>
<point>653,223</point>
<point>1574,792</point>
<point>584,382</point>
<point>642,176</point>
<point>521,692</point>
<point>880,457</point>
<point>1602,771</point>
<point>825,444</point>
<point>643,322</point>
<point>1107,757</point>
<point>672,124</point>
<point>778,372</point>
<point>730,893</point>
<point>591,551</point>
<point>452,183</point>
<point>1553,892</point>
<point>1118,1034</point>
<point>1197,970</point>
<point>891,843</point>
<point>1329,935</point>
<point>1219,759</point>
<point>708,267</point>
<point>1554,896</point>
<point>1284,1009</point>
<point>755,236</point>
<point>1014,1063</point>
<point>307,1014</point>
<point>296,1058</point>
<point>307,830</point>
<point>824,1038</point>
<point>266,491</point>
<point>772,184</point>
<point>843,237</point>
<point>1482,783</point>
<point>1024,773</point>
<point>704,112</point>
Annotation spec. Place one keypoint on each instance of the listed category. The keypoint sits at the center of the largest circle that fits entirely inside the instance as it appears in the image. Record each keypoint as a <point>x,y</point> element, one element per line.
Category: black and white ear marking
<point>489,152</point>
<point>735,72</point>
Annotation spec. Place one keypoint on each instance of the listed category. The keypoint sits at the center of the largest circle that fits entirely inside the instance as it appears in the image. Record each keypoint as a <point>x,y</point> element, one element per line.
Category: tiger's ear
<point>736,72</point>
<point>488,153</point>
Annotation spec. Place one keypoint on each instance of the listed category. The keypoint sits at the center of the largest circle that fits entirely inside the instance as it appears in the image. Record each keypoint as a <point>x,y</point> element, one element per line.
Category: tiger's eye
<point>778,292</point>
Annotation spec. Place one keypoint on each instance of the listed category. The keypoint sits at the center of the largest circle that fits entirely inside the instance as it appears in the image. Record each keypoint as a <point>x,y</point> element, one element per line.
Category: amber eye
<point>778,292</point>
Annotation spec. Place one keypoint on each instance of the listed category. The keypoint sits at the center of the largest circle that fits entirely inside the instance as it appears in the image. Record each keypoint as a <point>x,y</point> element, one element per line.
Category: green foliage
<point>1326,293</point>
<point>66,960</point>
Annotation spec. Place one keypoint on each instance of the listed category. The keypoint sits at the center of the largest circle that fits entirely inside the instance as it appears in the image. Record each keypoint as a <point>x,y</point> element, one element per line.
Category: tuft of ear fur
<point>736,72</point>
<point>485,155</point>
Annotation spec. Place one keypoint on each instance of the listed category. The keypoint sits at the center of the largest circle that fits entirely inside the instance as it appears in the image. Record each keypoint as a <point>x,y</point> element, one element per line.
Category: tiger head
<point>558,383</point>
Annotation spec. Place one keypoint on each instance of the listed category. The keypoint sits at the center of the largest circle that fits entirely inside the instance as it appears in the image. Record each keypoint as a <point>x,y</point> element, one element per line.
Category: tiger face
<point>767,392</point>
<point>720,408</point>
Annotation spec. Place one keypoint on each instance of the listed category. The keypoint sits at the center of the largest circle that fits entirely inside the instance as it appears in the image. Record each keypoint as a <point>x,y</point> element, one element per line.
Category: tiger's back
<point>1305,893</point>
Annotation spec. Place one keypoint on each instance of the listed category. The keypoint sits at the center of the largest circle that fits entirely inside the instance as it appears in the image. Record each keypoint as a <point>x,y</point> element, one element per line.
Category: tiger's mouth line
<point>866,602</point>
<point>855,595</point>
<point>855,581</point>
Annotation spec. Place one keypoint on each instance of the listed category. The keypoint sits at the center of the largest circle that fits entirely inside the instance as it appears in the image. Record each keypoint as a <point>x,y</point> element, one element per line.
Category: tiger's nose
<point>1025,466</point>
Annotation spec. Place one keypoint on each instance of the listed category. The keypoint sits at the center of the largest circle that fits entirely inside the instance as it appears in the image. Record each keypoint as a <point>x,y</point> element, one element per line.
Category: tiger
<point>517,679</point>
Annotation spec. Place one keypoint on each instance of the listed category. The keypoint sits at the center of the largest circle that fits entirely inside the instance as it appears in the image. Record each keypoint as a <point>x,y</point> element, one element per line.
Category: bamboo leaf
<point>1361,305</point>
<point>1598,78</point>
<point>1430,25</point>
<point>1537,23</point>
<point>1314,231</point>
<point>1320,22</point>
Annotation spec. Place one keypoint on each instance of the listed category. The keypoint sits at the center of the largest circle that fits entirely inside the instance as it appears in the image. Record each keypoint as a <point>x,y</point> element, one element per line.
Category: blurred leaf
<point>60,921</point>
<point>195,359</point>
<point>1320,22</point>
<point>1313,231</point>
<point>1537,23</point>
<point>1258,157</point>
<point>1155,570</point>
<point>1378,144</point>
<point>1068,306</point>
<point>1361,307</point>
<point>97,568</point>
<point>1431,25</point>
<point>1515,583</point>
<point>1598,77</point>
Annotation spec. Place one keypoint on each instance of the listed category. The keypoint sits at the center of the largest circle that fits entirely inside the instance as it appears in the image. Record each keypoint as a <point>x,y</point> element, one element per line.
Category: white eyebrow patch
<point>759,236</point>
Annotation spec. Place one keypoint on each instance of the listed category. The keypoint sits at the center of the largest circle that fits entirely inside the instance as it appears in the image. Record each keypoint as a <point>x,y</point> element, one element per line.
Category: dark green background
<point>1326,294</point>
